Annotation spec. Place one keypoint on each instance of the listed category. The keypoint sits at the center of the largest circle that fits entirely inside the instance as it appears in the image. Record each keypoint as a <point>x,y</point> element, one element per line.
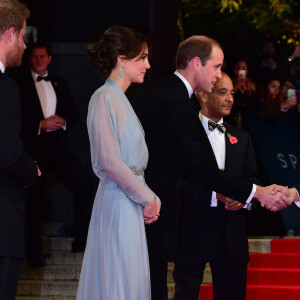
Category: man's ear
<point>202,96</point>
<point>8,34</point>
<point>196,62</point>
<point>49,59</point>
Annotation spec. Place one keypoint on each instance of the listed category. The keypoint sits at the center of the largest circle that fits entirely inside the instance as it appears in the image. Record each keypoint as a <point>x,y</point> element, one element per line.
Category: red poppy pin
<point>232,139</point>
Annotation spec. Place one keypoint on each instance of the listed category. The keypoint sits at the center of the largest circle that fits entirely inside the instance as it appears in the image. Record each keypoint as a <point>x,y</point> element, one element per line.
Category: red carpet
<point>271,276</point>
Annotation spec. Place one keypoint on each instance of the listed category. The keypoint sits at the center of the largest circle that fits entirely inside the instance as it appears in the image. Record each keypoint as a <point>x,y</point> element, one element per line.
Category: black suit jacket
<point>32,112</point>
<point>178,150</point>
<point>17,170</point>
<point>208,230</point>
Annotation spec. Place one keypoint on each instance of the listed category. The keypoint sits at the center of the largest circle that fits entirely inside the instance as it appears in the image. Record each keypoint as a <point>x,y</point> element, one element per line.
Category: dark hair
<point>116,40</point>
<point>40,45</point>
<point>196,46</point>
<point>12,15</point>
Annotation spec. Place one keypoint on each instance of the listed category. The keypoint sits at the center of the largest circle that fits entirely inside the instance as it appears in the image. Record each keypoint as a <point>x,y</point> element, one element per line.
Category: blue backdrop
<point>278,145</point>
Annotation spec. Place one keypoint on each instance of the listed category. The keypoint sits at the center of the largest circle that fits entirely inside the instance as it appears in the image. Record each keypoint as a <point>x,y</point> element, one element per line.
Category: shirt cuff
<point>251,196</point>
<point>297,202</point>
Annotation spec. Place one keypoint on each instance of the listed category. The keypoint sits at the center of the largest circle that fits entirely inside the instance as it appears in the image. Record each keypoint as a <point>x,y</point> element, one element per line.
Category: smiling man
<point>179,151</point>
<point>216,233</point>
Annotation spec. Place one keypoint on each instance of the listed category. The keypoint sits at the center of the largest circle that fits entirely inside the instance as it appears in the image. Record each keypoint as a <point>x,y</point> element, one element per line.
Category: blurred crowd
<point>266,86</point>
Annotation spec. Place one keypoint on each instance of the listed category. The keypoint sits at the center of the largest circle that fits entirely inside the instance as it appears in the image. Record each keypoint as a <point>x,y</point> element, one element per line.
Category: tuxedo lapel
<point>206,140</point>
<point>230,153</point>
<point>30,89</point>
<point>56,86</point>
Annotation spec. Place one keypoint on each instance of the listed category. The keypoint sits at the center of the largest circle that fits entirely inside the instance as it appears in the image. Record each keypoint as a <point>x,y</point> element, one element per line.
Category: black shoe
<point>36,262</point>
<point>78,246</point>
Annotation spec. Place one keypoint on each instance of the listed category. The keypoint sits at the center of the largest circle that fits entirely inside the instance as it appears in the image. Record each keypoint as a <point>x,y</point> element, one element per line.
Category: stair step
<point>274,260</point>
<point>57,244</point>
<point>259,292</point>
<point>60,272</point>
<point>256,245</point>
<point>259,245</point>
<point>286,245</point>
<point>63,258</point>
<point>267,276</point>
<point>47,288</point>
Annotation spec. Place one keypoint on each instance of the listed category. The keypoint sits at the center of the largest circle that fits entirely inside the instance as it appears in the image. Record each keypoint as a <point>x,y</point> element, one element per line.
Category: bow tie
<point>46,78</point>
<point>212,125</point>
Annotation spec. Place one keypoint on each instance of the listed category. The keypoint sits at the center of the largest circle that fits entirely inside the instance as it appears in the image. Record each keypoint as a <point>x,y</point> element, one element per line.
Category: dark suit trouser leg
<point>73,175</point>
<point>33,230</point>
<point>229,280</point>
<point>9,275</point>
<point>158,260</point>
<point>188,277</point>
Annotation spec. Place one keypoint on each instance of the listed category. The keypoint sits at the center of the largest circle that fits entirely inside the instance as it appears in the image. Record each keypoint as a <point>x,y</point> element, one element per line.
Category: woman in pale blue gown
<point>115,264</point>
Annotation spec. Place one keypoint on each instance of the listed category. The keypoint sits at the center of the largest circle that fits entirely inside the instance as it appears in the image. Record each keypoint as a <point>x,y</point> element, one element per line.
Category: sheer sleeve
<point>105,150</point>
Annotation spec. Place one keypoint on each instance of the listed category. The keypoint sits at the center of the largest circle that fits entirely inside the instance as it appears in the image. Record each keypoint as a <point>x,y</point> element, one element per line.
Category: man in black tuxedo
<point>47,113</point>
<point>216,233</point>
<point>17,169</point>
<point>179,150</point>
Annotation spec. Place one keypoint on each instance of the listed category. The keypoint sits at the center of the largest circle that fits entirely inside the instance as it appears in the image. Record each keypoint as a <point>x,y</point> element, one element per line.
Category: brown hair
<point>116,40</point>
<point>195,46</point>
<point>12,15</point>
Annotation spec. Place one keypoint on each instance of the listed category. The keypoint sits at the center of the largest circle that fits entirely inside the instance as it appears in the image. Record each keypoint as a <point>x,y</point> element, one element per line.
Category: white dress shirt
<point>2,68</point>
<point>217,141</point>
<point>46,95</point>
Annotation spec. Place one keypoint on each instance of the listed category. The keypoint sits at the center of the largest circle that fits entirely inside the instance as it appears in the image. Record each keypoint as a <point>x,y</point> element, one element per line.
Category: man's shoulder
<point>8,85</point>
<point>170,87</point>
<point>57,78</point>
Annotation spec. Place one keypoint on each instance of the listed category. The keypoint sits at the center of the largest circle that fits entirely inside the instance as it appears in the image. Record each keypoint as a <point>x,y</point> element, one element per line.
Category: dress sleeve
<point>105,149</point>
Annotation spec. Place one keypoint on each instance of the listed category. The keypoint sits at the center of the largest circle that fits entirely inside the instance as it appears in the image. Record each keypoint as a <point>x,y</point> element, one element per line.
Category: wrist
<point>258,193</point>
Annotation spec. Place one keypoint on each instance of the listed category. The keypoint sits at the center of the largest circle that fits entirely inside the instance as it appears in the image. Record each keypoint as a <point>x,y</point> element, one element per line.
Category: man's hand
<point>291,193</point>
<point>273,201</point>
<point>230,204</point>
<point>52,123</point>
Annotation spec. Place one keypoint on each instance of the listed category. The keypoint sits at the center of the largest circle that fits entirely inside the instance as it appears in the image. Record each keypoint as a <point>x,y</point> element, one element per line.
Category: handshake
<point>273,197</point>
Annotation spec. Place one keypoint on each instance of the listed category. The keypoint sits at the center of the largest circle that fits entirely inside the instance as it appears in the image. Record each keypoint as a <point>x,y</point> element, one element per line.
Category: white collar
<point>204,120</point>
<point>186,83</point>
<point>35,75</point>
<point>2,68</point>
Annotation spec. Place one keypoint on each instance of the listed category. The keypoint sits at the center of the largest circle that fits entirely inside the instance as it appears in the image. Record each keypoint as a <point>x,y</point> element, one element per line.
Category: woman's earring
<point>121,74</point>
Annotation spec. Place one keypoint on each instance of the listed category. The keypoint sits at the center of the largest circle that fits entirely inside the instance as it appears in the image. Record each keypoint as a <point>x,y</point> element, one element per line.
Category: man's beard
<point>14,57</point>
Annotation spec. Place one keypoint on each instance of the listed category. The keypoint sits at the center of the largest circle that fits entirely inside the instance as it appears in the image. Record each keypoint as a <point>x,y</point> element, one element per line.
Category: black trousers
<point>9,275</point>
<point>158,261</point>
<point>229,279</point>
<point>55,156</point>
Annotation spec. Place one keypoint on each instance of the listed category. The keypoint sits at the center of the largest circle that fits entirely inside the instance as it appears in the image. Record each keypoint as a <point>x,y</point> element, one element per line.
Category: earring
<point>121,74</point>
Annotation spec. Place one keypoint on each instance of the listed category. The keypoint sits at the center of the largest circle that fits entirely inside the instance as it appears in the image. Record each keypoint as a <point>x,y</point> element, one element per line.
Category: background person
<point>48,112</point>
<point>216,233</point>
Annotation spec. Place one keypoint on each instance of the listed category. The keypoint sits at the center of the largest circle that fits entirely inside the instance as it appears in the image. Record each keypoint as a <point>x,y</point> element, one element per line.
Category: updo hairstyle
<point>116,40</point>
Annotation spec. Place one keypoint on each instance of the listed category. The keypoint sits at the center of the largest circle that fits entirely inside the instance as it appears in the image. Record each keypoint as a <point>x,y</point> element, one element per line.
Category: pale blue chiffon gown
<point>115,264</point>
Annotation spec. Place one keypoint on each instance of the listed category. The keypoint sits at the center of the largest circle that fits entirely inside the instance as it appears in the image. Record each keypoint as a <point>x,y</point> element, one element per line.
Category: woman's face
<point>135,68</point>
<point>274,88</point>
<point>240,69</point>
